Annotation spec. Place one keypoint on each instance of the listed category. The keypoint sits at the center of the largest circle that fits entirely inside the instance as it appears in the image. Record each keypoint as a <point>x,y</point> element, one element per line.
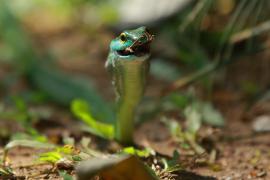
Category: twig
<point>194,13</point>
<point>249,33</point>
<point>182,82</point>
<point>196,147</point>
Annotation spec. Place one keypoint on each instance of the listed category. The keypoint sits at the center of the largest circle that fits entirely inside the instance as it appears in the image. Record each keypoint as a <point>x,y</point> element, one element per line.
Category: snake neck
<point>129,81</point>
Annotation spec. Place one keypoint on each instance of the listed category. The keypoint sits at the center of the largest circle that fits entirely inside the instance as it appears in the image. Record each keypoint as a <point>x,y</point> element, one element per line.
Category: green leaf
<point>211,116</point>
<point>6,172</point>
<point>174,127</point>
<point>137,152</point>
<point>81,110</point>
<point>65,175</point>
<point>25,143</point>
<point>64,88</point>
<point>60,153</point>
<point>19,103</point>
<point>194,119</point>
<point>28,143</point>
<point>13,36</point>
<point>180,100</point>
<point>76,158</point>
<point>172,164</point>
<point>50,157</point>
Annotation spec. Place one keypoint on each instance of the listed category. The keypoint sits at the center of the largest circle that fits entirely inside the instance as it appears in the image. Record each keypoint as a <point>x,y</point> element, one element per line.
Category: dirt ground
<point>241,154</point>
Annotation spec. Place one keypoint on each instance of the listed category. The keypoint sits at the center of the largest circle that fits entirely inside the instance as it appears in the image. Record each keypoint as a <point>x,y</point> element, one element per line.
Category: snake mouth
<point>137,50</point>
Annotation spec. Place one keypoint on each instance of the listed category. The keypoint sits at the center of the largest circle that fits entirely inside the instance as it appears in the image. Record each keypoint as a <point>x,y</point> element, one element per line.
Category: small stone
<point>261,124</point>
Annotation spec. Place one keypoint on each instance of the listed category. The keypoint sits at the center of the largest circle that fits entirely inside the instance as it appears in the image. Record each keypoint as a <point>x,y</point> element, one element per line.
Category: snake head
<point>132,43</point>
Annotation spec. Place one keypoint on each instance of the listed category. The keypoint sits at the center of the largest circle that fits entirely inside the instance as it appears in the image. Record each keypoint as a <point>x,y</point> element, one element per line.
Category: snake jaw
<point>140,47</point>
<point>136,50</point>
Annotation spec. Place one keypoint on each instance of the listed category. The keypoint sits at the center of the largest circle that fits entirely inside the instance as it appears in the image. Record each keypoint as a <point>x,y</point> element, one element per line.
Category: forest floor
<point>240,153</point>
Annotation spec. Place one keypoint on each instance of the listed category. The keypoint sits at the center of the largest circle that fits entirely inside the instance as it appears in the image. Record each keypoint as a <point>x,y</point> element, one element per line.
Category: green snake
<point>129,65</point>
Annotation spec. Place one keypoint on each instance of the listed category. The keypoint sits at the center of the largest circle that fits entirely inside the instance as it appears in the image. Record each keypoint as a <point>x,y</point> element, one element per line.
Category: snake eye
<point>123,37</point>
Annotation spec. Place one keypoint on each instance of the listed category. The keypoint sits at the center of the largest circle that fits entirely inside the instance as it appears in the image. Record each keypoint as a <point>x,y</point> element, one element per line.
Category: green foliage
<point>195,111</point>
<point>25,143</point>
<point>60,87</point>
<point>137,152</point>
<point>63,88</point>
<point>15,39</point>
<point>193,119</point>
<point>31,134</point>
<point>28,143</point>
<point>203,51</point>
<point>174,128</point>
<point>6,172</point>
<point>81,110</point>
<point>50,157</point>
<point>22,115</point>
<point>172,164</point>
<point>66,151</point>
<point>180,100</point>
<point>211,116</point>
<point>185,137</point>
<point>199,112</point>
<point>65,175</point>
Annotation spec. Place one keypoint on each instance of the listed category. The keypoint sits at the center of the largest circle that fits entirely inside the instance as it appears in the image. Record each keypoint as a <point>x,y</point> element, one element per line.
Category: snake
<point>128,64</point>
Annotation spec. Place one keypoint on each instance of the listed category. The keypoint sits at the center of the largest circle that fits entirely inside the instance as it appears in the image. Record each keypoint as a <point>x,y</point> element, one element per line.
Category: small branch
<point>193,14</point>
<point>249,33</point>
<point>192,142</point>
<point>185,81</point>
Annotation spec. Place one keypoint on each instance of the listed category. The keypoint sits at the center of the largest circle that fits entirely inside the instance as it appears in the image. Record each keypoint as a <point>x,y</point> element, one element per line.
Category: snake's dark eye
<point>123,37</point>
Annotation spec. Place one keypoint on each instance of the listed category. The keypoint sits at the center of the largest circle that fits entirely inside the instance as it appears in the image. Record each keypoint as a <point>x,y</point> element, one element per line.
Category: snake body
<point>130,77</point>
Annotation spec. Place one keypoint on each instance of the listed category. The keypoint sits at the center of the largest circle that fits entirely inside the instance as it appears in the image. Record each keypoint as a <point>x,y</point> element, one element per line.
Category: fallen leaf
<point>116,167</point>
